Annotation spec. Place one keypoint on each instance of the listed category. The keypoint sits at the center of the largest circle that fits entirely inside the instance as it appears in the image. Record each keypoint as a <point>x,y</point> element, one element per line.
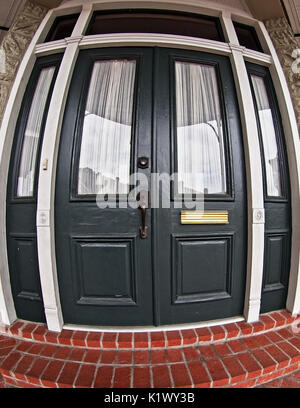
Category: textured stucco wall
<point>285,44</point>
<point>14,46</point>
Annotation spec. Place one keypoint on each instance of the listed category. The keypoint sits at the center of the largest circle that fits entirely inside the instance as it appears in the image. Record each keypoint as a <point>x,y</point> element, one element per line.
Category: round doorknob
<point>143,162</point>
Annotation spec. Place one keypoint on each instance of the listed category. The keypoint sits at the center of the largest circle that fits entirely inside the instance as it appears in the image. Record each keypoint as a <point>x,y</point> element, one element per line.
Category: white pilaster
<point>254,176</point>
<point>46,188</point>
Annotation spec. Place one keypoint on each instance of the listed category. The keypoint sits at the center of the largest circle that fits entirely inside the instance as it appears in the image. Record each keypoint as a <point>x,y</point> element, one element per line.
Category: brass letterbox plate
<point>204,217</point>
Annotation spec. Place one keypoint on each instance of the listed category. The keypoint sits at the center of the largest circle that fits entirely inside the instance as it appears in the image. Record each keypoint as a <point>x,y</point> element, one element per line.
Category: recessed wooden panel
<point>202,268</point>
<point>275,262</point>
<point>25,268</point>
<point>104,271</point>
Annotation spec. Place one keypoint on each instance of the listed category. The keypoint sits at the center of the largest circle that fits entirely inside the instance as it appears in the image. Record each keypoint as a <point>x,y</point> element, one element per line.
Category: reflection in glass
<point>200,144</point>
<point>104,166</point>
<point>32,134</point>
<point>269,141</point>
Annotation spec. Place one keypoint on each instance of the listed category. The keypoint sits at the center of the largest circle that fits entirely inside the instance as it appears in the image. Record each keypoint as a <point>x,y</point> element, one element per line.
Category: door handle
<point>143,228</point>
<point>144,198</point>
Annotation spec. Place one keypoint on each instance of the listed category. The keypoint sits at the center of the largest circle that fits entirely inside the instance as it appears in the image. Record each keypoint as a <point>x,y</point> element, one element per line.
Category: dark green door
<point>22,191</point>
<point>153,113</point>
<point>276,191</point>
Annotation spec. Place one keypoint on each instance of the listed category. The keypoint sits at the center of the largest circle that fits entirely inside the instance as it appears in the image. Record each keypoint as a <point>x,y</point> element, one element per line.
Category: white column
<point>254,175</point>
<point>46,188</point>
<point>7,309</point>
<point>293,150</point>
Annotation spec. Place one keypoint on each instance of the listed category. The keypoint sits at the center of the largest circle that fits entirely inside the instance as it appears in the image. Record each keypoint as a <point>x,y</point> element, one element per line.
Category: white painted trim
<point>52,47</point>
<point>209,8</point>
<point>293,150</point>
<point>7,309</point>
<point>46,187</point>
<point>140,39</point>
<point>147,329</point>
<point>152,40</point>
<point>257,57</point>
<point>254,177</point>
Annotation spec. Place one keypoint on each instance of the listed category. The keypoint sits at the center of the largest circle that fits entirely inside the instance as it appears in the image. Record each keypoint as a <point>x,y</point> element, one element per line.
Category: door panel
<point>21,191</point>
<point>180,114</point>
<point>112,283</point>
<point>105,278</point>
<point>200,269</point>
<point>276,191</point>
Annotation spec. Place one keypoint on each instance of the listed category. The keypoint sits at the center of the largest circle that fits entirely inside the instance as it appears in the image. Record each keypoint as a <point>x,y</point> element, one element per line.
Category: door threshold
<point>171,327</point>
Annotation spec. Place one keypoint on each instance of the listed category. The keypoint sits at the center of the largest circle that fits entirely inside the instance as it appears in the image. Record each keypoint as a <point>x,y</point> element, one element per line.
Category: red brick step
<point>233,355</point>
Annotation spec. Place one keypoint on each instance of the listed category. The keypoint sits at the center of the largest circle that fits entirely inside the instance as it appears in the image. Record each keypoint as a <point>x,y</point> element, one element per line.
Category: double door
<point>150,206</point>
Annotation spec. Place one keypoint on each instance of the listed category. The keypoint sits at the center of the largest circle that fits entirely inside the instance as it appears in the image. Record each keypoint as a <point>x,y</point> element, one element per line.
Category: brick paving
<point>235,355</point>
<point>289,381</point>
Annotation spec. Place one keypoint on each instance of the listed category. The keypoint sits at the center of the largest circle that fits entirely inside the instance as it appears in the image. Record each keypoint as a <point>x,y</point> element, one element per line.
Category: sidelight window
<point>32,134</point>
<point>268,136</point>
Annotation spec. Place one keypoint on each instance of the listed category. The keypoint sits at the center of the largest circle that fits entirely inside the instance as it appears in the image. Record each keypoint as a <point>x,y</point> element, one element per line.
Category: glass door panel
<point>104,165</point>
<point>200,142</point>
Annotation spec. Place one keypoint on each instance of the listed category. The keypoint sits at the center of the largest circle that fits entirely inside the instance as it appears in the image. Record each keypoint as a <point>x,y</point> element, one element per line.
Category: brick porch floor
<point>289,381</point>
<point>233,355</point>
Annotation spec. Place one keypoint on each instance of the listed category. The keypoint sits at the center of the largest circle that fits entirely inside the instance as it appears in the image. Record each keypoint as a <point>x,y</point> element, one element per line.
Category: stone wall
<point>14,46</point>
<point>284,41</point>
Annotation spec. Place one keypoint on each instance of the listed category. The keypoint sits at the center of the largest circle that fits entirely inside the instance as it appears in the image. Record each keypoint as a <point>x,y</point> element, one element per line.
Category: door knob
<point>143,162</point>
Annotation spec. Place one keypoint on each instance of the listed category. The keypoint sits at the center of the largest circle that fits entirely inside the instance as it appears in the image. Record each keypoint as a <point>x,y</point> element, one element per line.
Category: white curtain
<point>200,144</point>
<point>268,137</point>
<point>104,166</point>
<point>32,134</point>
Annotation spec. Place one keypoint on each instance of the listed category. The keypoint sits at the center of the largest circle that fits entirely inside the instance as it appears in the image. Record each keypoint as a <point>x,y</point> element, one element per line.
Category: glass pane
<point>247,37</point>
<point>104,166</point>
<point>62,27</point>
<point>33,133</point>
<point>156,22</point>
<point>268,134</point>
<point>200,142</point>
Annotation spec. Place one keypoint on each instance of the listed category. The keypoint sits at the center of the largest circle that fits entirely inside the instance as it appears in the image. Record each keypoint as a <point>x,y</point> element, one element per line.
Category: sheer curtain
<point>104,166</point>
<point>270,148</point>
<point>200,144</point>
<point>32,134</point>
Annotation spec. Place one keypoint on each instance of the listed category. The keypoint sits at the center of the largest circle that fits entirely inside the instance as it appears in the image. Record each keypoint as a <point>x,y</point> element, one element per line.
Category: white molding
<point>142,39</point>
<point>52,47</point>
<point>205,7</point>
<point>293,150</point>
<point>257,57</point>
<point>254,176</point>
<point>46,186</point>
<point>147,329</point>
<point>152,40</point>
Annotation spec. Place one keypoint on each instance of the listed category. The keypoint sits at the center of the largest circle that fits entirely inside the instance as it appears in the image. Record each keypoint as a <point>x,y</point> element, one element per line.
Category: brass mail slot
<point>204,217</point>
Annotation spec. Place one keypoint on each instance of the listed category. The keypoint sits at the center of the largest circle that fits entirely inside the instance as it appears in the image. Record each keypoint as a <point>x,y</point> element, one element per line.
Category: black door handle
<point>144,202</point>
<point>143,228</point>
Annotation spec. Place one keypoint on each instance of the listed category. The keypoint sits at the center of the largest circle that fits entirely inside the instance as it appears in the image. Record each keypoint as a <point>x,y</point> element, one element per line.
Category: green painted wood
<point>107,274</point>
<point>21,213</point>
